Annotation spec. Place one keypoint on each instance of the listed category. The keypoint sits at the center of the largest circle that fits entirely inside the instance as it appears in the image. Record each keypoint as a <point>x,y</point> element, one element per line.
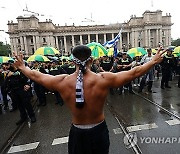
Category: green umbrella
<point>39,58</point>
<point>176,51</point>
<point>64,57</point>
<point>97,50</point>
<point>133,52</point>
<point>110,51</point>
<point>46,51</point>
<point>5,59</point>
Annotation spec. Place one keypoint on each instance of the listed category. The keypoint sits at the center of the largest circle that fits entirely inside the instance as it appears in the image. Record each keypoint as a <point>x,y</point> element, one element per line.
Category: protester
<point>39,89</point>
<point>149,75</point>
<point>85,93</point>
<point>135,63</point>
<point>167,66</point>
<point>125,65</point>
<point>19,89</point>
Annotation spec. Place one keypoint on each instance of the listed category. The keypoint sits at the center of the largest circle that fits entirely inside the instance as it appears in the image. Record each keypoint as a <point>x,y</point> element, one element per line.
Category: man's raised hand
<point>158,56</point>
<point>19,63</point>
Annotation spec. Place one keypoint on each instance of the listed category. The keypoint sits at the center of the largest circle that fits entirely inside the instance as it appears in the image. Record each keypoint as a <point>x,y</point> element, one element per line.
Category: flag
<point>115,49</point>
<point>113,41</point>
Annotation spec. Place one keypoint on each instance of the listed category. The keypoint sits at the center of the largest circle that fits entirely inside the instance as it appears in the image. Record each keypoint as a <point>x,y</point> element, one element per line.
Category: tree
<point>176,42</point>
<point>5,50</point>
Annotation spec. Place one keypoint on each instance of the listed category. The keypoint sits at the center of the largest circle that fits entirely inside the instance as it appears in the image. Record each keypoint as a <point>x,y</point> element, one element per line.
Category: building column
<point>169,43</point>
<point>12,44</point>
<point>38,43</point>
<point>133,40</point>
<point>15,44</point>
<point>128,40</point>
<point>146,38</point>
<point>104,38</point>
<point>136,39</point>
<point>160,36</point>
<point>73,43</point>
<point>65,44</point>
<point>34,42</point>
<point>22,43</point>
<point>89,38</point>
<point>166,38</point>
<point>57,43</point>
<point>112,35</point>
<point>149,38</point>
<point>157,37</point>
<point>26,47</point>
<point>81,40</point>
<point>97,39</point>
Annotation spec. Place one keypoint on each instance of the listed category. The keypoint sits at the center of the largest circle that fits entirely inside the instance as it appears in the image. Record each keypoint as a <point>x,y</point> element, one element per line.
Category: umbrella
<point>154,51</point>
<point>5,59</point>
<point>110,52</point>
<point>71,57</point>
<point>97,50</point>
<point>176,51</point>
<point>171,47</point>
<point>39,58</point>
<point>64,57</point>
<point>133,52</point>
<point>46,51</point>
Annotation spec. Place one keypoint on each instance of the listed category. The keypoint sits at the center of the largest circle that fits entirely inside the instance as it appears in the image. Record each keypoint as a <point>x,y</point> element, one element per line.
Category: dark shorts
<point>89,141</point>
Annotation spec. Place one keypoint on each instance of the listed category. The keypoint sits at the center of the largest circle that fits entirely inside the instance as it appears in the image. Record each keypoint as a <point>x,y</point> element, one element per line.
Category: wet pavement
<point>156,131</point>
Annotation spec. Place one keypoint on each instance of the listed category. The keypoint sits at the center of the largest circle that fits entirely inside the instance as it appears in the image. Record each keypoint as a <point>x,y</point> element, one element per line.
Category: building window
<point>44,40</point>
<point>32,50</point>
<point>19,41</point>
<point>31,41</point>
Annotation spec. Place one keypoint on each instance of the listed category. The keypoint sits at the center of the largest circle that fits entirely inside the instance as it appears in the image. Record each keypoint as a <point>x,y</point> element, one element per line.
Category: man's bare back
<point>95,94</point>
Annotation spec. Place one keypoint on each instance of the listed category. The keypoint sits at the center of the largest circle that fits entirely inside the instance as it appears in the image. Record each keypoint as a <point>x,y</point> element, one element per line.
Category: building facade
<point>28,34</point>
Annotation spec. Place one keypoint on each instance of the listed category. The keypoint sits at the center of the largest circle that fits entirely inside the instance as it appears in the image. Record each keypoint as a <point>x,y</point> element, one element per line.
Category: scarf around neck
<point>79,81</point>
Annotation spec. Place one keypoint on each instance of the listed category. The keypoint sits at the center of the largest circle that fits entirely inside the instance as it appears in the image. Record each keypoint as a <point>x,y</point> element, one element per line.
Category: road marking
<point>60,140</point>
<point>173,122</point>
<point>142,127</point>
<point>24,147</point>
<point>117,131</point>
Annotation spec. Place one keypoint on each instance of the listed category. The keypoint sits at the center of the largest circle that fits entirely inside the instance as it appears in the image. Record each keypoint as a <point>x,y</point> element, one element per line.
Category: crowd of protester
<point>15,86</point>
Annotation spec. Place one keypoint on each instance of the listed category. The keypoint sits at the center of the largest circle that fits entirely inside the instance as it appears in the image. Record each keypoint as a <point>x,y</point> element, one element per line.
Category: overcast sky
<point>79,11</point>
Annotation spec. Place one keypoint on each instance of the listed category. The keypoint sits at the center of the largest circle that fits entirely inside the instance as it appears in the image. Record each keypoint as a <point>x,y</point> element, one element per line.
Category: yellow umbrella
<point>110,51</point>
<point>39,58</point>
<point>5,59</point>
<point>46,51</point>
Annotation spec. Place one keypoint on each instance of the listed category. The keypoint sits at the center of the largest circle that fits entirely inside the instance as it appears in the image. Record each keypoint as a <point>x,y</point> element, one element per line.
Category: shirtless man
<point>84,92</point>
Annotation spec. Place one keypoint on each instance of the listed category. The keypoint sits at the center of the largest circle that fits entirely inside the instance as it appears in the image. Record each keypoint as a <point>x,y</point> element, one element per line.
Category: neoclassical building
<point>28,34</point>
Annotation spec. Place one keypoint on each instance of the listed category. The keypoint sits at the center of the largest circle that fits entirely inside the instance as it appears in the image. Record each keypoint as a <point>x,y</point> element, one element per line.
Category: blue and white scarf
<point>79,81</point>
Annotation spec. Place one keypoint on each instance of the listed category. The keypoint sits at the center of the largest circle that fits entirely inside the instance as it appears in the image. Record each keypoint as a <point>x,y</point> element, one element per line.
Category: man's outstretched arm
<point>121,78</point>
<point>46,80</point>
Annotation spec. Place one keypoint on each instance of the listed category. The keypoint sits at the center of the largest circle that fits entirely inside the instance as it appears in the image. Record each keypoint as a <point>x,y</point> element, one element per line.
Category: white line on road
<point>24,147</point>
<point>173,122</point>
<point>60,140</point>
<point>142,127</point>
<point>117,131</point>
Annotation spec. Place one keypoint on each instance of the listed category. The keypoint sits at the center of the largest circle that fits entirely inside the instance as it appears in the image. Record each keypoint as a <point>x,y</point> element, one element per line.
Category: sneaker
<point>162,87</point>
<point>33,119</point>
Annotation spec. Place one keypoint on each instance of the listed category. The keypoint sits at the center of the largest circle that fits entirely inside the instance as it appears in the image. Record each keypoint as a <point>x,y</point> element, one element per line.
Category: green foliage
<point>176,42</point>
<point>5,50</point>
